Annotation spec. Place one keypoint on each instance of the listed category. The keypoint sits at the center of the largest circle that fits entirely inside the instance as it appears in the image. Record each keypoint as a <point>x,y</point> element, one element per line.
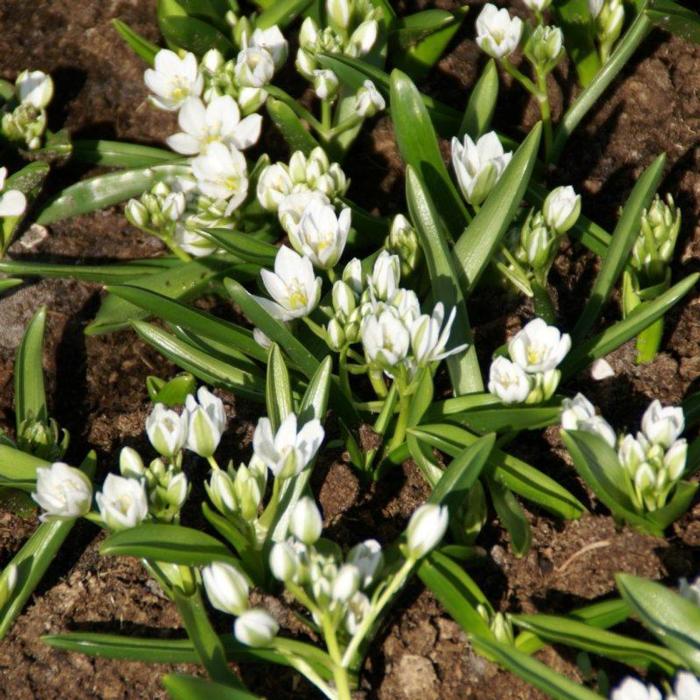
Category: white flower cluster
<point>26,123</point>
<point>654,460</point>
<point>686,687</point>
<point>531,374</point>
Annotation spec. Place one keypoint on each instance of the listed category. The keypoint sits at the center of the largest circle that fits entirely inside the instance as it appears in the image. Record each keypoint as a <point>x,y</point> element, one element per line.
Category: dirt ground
<point>97,390</point>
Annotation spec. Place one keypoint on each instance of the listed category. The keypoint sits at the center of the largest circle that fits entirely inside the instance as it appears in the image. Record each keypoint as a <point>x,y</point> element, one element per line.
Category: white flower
<point>321,235</point>
<point>220,121</point>
<point>123,502</point>
<point>284,561</point>
<point>385,339</point>
<point>62,491</point>
<point>166,430</point>
<point>353,275</point>
<point>274,184</point>
<point>368,100</point>
<point>222,173</point>
<point>273,41</point>
<point>687,687</point>
<point>305,521</point>
<point>478,166</point>
<point>255,628</point>
<point>293,286</point>
<point>325,83</point>
<point>227,588</point>
<point>254,67</point>
<point>633,689</point>
<point>579,414</point>
<point>407,306</point>
<point>192,242</point>
<point>508,381</point>
<point>207,421</point>
<point>362,39</point>
<point>173,80</point>
<point>427,340</point>
<point>497,33</point>
<point>12,202</point>
<point>539,347</point>
<point>287,452</point>
<point>34,88</point>
<point>426,528</point>
<point>662,425</point>
<point>346,583</point>
<point>293,206</point>
<point>369,559</point>
<point>561,208</point>
<point>385,277</point>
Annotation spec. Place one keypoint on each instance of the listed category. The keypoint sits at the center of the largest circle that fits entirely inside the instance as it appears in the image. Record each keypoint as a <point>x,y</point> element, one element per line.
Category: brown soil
<point>96,385</point>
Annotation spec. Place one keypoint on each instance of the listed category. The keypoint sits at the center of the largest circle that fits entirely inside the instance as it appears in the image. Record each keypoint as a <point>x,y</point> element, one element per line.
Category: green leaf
<point>169,543</point>
<point>9,283</point>
<point>477,245</point>
<point>143,48</point>
<point>619,333</point>
<point>672,619</point>
<point>187,280</point>
<point>512,516</point>
<point>207,368</point>
<point>682,498</point>
<point>281,13</point>
<point>278,390</point>
<point>291,127</point>
<point>30,181</point>
<point>463,367</point>
<point>501,419</point>
<point>194,35</point>
<point>674,18</point>
<point>533,671</point>
<point>573,633</point>
<point>30,396</point>
<point>353,72</point>
<point>119,154</point>
<point>17,468</point>
<point>173,392</point>
<point>181,687</point>
<point>481,104</point>
<point>574,18</point>
<point>456,591</point>
<point>243,246</point>
<point>104,191</point>
<point>624,236</point>
<point>419,148</point>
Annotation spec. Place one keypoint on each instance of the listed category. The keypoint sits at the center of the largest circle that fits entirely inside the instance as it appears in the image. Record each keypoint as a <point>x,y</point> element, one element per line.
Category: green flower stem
<point>399,436</point>
<point>213,463</point>
<point>368,622</point>
<point>377,379</point>
<point>316,329</point>
<point>340,672</point>
<point>522,79</point>
<point>304,668</point>
<point>268,516</point>
<point>326,116</point>
<point>545,112</point>
<point>343,372</point>
<point>347,124</point>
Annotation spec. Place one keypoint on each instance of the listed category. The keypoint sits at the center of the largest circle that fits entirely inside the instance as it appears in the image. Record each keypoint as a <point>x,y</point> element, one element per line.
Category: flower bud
<point>325,84</point>
<point>675,459</point>
<point>34,88</point>
<point>227,588</point>
<point>166,430</point>
<point>274,184</point>
<point>338,13</point>
<point>256,628</point>
<point>369,560</point>
<point>176,493</point>
<point>368,100</point>
<point>386,275</point>
<point>545,47</point>
<point>356,610</point>
<point>662,425</point>
<point>284,562</point>
<point>254,67</point>
<point>206,422</point>
<point>344,301</point>
<point>305,521</point>
<point>363,39</point>
<point>502,628</point>
<point>336,335</point>
<point>251,99</point>
<point>247,491</point>
<point>346,583</point>
<point>220,491</point>
<point>536,242</point>
<point>123,502</point>
<point>561,209</point>
<point>273,41</point>
<point>136,213</point>
<point>62,491</point>
<point>212,61</point>
<point>426,528</point>
<point>8,581</point>
<point>403,241</point>
<point>353,276</point>
<point>130,463</point>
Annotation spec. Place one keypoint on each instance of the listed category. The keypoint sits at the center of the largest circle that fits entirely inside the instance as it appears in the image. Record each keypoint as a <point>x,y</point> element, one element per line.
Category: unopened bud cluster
<point>608,17</point>
<point>42,438</point>
<point>403,242</point>
<point>24,121</point>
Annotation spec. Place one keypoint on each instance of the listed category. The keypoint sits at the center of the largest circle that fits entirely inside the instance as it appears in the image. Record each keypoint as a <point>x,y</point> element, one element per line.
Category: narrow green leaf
<point>674,18</point>
<point>512,516</point>
<point>120,154</point>
<point>281,13</point>
<point>681,499</point>
<point>104,191</point>
<point>30,396</point>
<point>278,390</point>
<point>143,48</point>
<point>574,18</point>
<point>168,543</point>
<point>194,35</point>
<point>672,619</point>
<point>419,148</point>
<point>463,367</point>
<point>17,467</point>
<point>173,392</point>
<point>623,239</point>
<point>481,104</point>
<point>476,246</point>
<point>243,246</point>
<point>9,283</point>
<point>291,127</point>
<point>619,333</point>
<point>181,687</point>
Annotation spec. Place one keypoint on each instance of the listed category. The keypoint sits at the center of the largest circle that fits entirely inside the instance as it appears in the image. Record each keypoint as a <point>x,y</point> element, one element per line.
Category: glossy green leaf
<point>353,72</point>
<point>463,367</point>
<point>672,619</point>
<point>674,18</point>
<point>207,368</point>
<point>624,236</point>
<point>120,154</point>
<point>168,543</point>
<point>18,468</point>
<point>143,48</point>
<point>681,499</point>
<point>243,246</point>
<point>533,671</point>
<point>182,282</point>
<point>481,104</point>
<point>30,396</point>
<point>291,127</point>
<point>194,35</point>
<point>477,245</point>
<point>181,687</point>
<point>9,283</point>
<point>574,18</point>
<point>512,517</point>
<point>173,392</point>
<point>281,13</point>
<point>619,333</point>
<point>573,633</point>
<point>419,148</point>
<point>29,180</point>
<point>104,191</point>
